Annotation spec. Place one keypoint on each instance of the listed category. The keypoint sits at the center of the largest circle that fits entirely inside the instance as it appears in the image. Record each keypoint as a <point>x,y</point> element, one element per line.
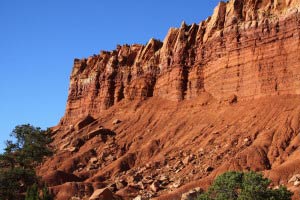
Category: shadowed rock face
<point>220,95</point>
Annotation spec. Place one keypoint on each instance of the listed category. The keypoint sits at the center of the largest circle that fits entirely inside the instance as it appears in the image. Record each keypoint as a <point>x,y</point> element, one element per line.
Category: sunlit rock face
<point>246,48</point>
<point>159,119</point>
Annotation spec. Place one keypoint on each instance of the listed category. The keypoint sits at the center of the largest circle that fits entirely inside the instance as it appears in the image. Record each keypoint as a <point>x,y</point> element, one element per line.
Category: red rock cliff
<point>170,116</point>
<point>247,48</point>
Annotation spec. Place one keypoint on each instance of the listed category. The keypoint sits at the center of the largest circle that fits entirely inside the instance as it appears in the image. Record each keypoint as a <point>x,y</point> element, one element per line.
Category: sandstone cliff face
<point>247,48</point>
<point>177,113</point>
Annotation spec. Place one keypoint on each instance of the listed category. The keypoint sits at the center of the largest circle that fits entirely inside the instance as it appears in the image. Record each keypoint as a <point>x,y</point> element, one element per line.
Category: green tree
<point>226,186</point>
<point>14,181</point>
<point>255,186</point>
<point>281,194</point>
<point>29,147</point>
<point>244,186</point>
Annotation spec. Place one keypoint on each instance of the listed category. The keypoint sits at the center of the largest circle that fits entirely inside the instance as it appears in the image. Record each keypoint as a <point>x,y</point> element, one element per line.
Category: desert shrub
<point>244,186</point>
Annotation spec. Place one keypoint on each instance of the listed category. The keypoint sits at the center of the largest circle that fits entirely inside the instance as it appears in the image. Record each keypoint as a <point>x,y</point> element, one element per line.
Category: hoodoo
<point>157,120</point>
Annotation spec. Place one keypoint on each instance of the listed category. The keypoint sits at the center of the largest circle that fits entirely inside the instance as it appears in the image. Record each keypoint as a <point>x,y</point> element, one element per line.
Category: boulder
<point>192,194</point>
<point>121,184</point>
<point>72,149</point>
<point>296,183</point>
<point>147,180</point>
<point>155,186</point>
<point>177,184</point>
<point>84,122</point>
<point>94,160</point>
<point>295,178</point>
<point>116,121</point>
<point>188,159</point>
<point>163,178</point>
<point>103,132</point>
<point>102,194</point>
<point>138,197</point>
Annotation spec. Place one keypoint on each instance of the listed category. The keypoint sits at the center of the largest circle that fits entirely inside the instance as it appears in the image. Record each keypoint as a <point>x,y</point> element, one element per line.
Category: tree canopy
<point>30,145</point>
<point>244,186</point>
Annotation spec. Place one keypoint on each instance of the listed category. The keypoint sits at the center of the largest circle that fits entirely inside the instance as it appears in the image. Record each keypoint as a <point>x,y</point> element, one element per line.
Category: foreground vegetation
<point>21,155</point>
<point>244,186</point>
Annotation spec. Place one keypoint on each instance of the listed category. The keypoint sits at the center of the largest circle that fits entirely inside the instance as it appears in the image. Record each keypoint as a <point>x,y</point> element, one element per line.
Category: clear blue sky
<point>40,38</point>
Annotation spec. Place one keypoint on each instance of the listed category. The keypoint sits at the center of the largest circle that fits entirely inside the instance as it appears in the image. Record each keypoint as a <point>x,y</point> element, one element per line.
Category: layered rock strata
<point>147,120</point>
<point>247,48</point>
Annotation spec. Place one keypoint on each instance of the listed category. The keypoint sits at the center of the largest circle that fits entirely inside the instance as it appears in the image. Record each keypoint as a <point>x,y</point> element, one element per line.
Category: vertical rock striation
<point>247,48</point>
<point>197,121</point>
